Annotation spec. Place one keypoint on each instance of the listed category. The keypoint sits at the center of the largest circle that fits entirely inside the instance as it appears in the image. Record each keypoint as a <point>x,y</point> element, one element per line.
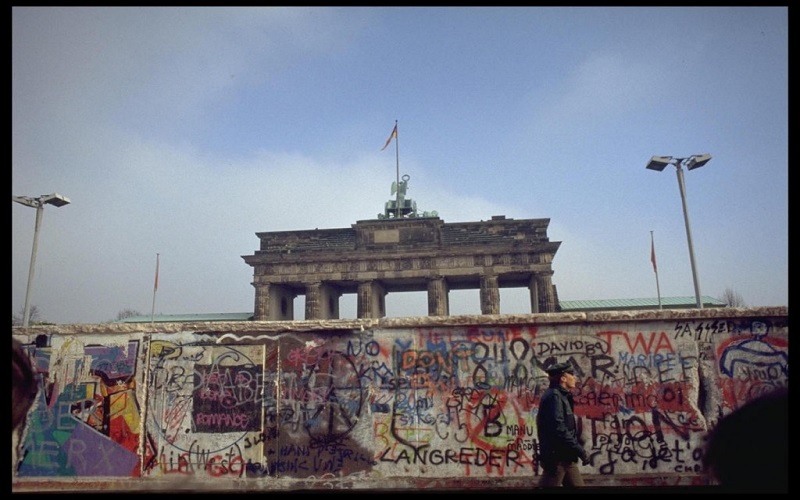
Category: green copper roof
<point>187,318</point>
<point>646,303</point>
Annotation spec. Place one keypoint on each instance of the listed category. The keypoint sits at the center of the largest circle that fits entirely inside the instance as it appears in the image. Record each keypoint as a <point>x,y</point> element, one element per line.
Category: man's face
<point>569,380</point>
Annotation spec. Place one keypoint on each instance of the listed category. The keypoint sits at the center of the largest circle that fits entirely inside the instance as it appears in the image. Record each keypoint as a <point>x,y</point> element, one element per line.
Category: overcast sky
<point>185,131</point>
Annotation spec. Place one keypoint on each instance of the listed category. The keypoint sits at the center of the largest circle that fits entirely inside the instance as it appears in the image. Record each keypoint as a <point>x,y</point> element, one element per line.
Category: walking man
<point>559,449</point>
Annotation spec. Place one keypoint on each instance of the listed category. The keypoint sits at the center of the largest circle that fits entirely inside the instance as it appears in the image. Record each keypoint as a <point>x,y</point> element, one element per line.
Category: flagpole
<point>155,288</point>
<point>397,160</point>
<point>393,135</point>
<point>655,268</point>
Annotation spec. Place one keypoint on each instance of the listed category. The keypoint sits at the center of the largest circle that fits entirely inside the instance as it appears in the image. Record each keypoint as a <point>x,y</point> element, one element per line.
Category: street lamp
<point>54,199</point>
<point>692,162</point>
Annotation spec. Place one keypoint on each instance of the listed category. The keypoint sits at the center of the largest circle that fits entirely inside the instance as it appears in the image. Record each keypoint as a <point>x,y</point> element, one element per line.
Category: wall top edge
<point>408,322</point>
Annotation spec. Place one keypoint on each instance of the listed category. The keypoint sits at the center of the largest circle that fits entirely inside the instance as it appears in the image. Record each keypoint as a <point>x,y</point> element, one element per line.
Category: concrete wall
<point>390,403</point>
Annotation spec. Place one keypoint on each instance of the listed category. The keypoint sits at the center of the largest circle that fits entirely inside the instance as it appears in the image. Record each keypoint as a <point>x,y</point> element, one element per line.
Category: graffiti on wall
<point>751,362</point>
<point>422,402</point>
<point>86,420</point>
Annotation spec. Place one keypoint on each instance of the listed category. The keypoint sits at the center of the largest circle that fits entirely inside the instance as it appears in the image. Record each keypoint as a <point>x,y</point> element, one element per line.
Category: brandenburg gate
<point>401,251</point>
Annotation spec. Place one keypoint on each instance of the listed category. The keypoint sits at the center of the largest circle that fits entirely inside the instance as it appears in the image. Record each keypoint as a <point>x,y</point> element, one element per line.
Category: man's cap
<point>559,369</point>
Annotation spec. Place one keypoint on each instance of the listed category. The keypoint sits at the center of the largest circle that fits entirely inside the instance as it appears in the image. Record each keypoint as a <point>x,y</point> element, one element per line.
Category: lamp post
<point>695,161</point>
<point>54,199</point>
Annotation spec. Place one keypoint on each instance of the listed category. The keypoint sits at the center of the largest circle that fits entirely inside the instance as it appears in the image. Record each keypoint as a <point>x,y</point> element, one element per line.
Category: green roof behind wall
<point>185,318</point>
<point>628,304</point>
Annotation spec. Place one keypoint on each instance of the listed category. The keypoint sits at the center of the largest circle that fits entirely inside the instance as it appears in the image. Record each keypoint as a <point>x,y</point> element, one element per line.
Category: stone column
<point>329,301</point>
<point>313,306</point>
<point>261,310</point>
<point>364,301</point>
<point>371,300</point>
<point>490,295</point>
<point>438,299</point>
<point>281,303</point>
<point>547,300</point>
<point>533,288</point>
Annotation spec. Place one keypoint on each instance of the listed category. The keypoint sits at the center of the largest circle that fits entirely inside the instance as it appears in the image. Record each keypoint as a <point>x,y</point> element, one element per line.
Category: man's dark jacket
<point>555,422</point>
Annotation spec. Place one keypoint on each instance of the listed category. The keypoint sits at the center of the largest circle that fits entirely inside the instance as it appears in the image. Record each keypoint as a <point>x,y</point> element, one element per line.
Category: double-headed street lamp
<point>695,161</point>
<point>54,199</point>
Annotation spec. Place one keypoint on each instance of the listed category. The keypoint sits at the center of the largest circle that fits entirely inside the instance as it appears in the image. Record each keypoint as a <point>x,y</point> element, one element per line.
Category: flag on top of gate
<point>393,135</point>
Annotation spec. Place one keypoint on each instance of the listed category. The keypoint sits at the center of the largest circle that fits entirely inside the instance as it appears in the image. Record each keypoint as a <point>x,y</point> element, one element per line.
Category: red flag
<point>653,256</point>
<point>155,287</point>
<point>393,135</point>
